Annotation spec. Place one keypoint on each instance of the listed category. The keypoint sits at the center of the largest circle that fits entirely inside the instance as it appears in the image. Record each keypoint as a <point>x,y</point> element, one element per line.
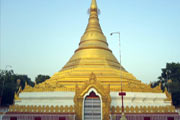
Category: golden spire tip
<point>93,5</point>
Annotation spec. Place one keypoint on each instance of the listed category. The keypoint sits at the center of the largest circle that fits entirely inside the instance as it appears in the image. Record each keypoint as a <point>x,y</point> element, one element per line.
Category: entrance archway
<point>82,94</point>
<point>92,107</point>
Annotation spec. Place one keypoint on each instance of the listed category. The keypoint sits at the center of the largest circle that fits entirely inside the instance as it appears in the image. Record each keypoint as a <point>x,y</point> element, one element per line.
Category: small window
<point>37,118</point>
<point>62,118</point>
<point>147,118</point>
<point>170,118</point>
<point>13,118</point>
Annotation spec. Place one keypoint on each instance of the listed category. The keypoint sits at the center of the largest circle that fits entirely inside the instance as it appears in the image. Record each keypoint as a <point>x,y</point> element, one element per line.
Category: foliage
<point>24,79</point>
<point>8,85</point>
<point>41,78</point>
<point>170,80</point>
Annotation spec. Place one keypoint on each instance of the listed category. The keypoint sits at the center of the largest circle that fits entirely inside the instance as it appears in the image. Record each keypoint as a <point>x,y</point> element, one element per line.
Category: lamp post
<point>119,46</point>
<point>3,83</point>
<point>123,117</point>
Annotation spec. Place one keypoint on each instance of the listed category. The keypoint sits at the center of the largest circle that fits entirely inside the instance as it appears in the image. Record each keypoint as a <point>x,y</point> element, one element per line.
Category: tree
<point>41,78</point>
<point>8,85</point>
<point>25,79</point>
<point>170,80</point>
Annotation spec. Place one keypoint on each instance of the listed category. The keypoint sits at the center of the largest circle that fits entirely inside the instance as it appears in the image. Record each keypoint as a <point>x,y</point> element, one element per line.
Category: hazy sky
<point>40,36</point>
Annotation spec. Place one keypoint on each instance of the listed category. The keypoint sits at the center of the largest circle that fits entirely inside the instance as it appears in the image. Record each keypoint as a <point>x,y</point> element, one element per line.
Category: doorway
<point>92,107</point>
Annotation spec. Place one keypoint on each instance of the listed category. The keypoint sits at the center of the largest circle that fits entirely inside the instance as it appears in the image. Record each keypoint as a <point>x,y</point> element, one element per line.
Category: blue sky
<point>40,36</point>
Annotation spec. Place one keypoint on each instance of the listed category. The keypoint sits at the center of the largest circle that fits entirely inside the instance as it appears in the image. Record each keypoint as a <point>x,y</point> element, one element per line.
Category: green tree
<point>170,80</point>
<point>41,78</point>
<point>25,79</point>
<point>8,85</point>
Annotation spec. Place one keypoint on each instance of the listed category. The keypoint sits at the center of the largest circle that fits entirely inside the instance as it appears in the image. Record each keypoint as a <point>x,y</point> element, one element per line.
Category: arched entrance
<point>92,107</point>
<point>92,95</point>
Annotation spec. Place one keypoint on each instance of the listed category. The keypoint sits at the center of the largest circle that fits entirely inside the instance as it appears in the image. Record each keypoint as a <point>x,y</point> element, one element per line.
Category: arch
<point>103,92</point>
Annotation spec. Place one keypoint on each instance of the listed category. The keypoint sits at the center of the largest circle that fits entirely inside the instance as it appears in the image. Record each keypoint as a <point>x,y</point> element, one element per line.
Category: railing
<point>144,109</point>
<point>38,117</point>
<point>147,116</point>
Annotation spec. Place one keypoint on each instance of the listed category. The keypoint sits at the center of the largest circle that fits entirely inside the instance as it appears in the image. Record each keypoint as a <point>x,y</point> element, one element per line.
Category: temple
<point>88,86</point>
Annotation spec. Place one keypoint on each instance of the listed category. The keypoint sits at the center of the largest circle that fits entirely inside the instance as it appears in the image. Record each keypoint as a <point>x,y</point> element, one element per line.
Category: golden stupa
<point>90,83</point>
<point>93,55</point>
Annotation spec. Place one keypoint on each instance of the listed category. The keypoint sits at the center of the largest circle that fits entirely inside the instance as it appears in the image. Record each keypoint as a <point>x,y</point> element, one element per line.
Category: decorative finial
<point>93,5</point>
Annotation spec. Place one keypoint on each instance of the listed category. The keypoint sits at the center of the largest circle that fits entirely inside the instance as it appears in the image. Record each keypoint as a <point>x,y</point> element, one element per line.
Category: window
<point>62,118</point>
<point>170,118</point>
<point>147,118</point>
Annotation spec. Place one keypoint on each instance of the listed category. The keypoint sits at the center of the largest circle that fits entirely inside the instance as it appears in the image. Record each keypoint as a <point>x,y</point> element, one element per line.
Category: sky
<point>40,36</point>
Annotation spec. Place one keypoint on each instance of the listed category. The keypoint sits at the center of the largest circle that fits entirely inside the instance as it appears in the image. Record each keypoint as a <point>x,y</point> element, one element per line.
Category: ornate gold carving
<point>18,91</point>
<point>41,109</point>
<point>169,97</point>
<point>67,80</point>
<point>92,78</point>
<point>104,92</point>
<point>144,109</point>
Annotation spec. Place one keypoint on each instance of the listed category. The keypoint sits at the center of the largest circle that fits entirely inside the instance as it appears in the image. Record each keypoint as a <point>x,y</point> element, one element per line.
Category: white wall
<point>140,99</point>
<point>46,98</point>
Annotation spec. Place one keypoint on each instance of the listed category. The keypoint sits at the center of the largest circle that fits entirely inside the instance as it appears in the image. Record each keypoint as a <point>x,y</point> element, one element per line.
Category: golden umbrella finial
<point>94,8</point>
<point>94,5</point>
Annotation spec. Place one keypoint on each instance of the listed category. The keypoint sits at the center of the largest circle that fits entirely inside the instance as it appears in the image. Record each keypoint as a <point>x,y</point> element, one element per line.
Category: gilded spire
<point>93,48</point>
<point>94,29</point>
<point>93,6</point>
<point>93,24</point>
